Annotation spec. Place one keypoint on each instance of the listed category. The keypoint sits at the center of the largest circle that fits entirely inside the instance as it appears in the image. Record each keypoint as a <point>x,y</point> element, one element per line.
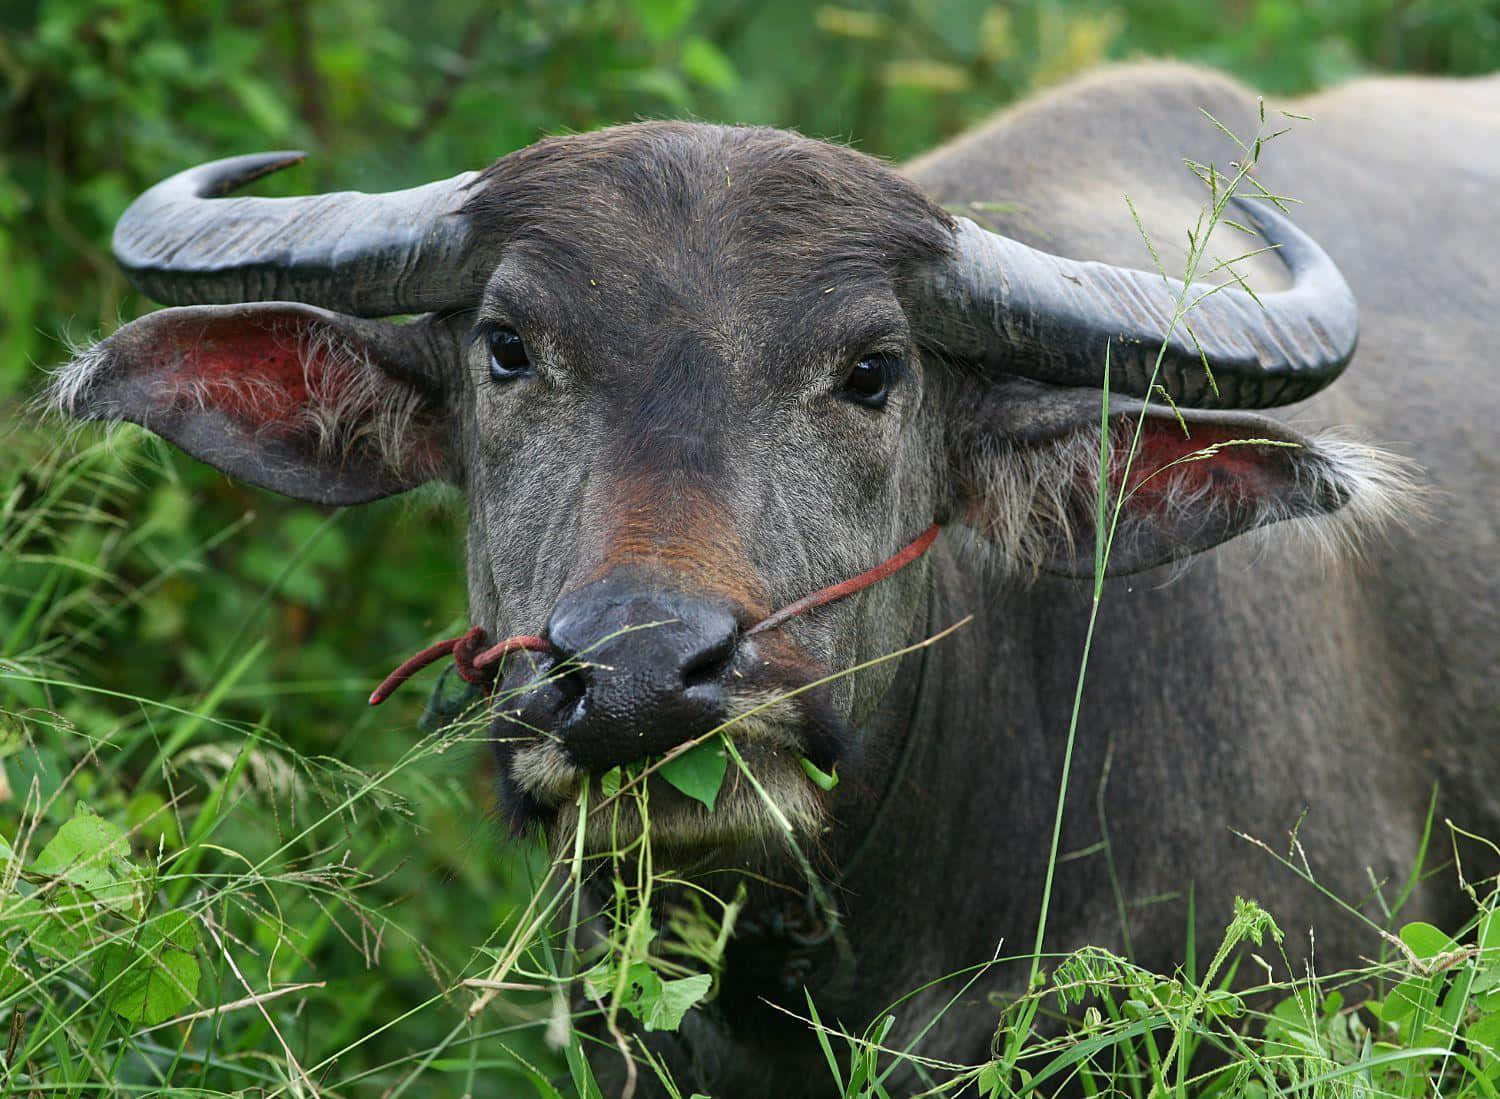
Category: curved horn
<point>1019,311</point>
<point>366,255</point>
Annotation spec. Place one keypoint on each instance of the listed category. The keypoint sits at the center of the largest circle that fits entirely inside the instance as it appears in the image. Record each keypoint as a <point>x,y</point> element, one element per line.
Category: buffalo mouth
<point>766,793</point>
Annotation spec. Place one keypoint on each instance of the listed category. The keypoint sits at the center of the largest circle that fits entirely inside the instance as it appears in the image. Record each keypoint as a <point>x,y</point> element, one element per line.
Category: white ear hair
<point>350,400</point>
<point>1038,500</point>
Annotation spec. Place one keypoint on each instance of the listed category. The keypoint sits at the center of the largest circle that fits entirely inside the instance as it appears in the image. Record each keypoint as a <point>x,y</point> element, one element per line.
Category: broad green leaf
<point>1485,1031</point>
<point>1489,935</point>
<point>673,1000</point>
<point>12,977</point>
<point>64,927</point>
<point>642,987</point>
<point>1224,1003</point>
<point>21,914</point>
<point>599,978</point>
<point>609,782</point>
<point>93,854</point>
<point>1407,997</point>
<point>1425,940</point>
<point>155,977</point>
<point>1458,997</point>
<point>699,772</point>
<point>824,780</point>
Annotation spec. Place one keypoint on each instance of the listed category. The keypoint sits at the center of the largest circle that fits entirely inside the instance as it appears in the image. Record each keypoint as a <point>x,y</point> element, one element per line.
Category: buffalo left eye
<point>870,379</point>
<point>508,356</point>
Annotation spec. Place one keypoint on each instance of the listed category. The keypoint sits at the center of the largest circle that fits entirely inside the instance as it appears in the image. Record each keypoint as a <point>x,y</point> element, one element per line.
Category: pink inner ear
<point>1240,472</point>
<point>256,371</point>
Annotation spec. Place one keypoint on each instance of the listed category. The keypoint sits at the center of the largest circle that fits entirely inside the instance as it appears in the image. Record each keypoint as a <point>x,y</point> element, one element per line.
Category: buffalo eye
<point>508,357</point>
<point>869,380</point>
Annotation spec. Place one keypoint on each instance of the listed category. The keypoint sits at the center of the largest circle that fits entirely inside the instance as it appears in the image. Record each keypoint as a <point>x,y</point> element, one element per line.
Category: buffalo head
<point>685,374</point>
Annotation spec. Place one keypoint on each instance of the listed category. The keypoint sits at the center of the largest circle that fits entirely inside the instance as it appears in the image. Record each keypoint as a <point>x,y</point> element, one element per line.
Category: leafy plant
<point>81,899</point>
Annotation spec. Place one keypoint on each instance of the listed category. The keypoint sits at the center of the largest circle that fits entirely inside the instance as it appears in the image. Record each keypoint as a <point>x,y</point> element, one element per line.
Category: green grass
<point>191,906</point>
<point>190,903</point>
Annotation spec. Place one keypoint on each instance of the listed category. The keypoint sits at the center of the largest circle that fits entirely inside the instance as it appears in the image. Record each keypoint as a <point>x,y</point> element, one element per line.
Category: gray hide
<point>1268,681</point>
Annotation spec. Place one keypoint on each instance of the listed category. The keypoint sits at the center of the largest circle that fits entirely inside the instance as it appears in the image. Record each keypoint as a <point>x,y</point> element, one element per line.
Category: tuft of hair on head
<point>829,207</point>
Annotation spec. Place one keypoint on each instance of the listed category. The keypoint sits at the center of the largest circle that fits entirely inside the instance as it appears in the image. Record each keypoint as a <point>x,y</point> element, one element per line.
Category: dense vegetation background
<point>243,618</point>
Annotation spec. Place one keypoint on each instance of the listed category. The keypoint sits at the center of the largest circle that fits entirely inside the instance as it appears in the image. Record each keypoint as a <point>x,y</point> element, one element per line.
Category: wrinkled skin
<point>693,301</point>
<point>717,457</point>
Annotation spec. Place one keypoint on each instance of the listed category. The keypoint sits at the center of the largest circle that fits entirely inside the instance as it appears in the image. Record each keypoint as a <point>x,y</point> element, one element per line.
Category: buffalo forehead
<point>670,223</point>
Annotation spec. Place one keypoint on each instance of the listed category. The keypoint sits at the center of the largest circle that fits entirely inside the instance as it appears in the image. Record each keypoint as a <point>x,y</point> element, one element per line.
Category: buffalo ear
<point>1027,459</point>
<point>311,404</point>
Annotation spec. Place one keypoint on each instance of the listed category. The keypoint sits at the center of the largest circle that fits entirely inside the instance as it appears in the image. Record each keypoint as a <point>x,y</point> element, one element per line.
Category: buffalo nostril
<point>709,663</point>
<point>571,688</point>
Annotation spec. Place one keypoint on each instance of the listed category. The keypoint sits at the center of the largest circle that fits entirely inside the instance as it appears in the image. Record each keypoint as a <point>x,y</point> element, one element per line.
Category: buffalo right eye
<point>869,381</point>
<point>508,357</point>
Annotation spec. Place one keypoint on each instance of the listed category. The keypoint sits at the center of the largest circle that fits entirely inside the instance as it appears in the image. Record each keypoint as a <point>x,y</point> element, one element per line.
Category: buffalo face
<point>686,375</point>
<point>678,428</point>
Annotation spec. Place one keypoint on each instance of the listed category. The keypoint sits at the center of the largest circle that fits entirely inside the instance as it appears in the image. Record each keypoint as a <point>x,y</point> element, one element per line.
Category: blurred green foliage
<point>170,582</point>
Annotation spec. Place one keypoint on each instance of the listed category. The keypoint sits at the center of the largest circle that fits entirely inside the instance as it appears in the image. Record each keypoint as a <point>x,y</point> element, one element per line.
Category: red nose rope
<point>480,666</point>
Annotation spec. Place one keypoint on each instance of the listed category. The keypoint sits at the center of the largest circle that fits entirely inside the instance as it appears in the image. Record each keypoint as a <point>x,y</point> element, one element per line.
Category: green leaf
<point>673,1000</point>
<point>822,779</point>
<point>12,977</point>
<point>663,18</point>
<point>699,772</point>
<point>265,110</point>
<point>92,853</point>
<point>1485,1031</point>
<point>156,976</point>
<point>1425,940</point>
<point>609,782</point>
<point>704,64</point>
<point>1487,979</point>
<point>1222,1002</point>
<point>64,927</point>
<point>148,816</point>
<point>1407,997</point>
<point>1489,934</point>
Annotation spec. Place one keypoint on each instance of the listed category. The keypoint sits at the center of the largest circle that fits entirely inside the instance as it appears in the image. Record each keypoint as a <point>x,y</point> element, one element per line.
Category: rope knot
<point>466,651</point>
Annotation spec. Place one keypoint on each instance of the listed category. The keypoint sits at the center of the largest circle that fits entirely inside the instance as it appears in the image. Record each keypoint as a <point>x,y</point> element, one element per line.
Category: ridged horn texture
<point>1015,310</point>
<point>354,253</point>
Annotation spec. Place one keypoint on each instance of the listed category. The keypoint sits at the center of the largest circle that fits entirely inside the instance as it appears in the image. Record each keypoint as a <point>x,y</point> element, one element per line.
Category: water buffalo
<point>686,374</point>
